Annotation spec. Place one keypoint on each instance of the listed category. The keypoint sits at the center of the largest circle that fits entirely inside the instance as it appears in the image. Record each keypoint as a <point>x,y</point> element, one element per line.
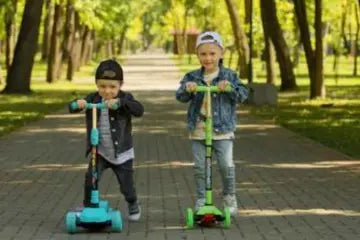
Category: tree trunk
<point>122,38</point>
<point>90,52</point>
<point>314,59</point>
<point>269,59</point>
<point>270,21</point>
<point>356,38</point>
<point>18,78</point>
<point>240,38</point>
<point>78,51</point>
<point>319,53</point>
<point>297,47</point>
<point>184,35</point>
<point>10,29</point>
<point>69,30</point>
<point>73,53</point>
<point>54,62</point>
<point>84,45</point>
<point>47,29</point>
<point>269,55</point>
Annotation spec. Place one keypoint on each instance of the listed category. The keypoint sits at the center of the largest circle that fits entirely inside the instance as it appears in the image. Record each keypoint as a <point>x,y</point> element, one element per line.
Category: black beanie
<point>109,70</point>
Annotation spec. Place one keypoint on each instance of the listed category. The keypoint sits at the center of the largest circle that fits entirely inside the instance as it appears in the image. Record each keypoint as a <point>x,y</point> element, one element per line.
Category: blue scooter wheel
<point>116,221</point>
<point>104,204</point>
<point>70,222</point>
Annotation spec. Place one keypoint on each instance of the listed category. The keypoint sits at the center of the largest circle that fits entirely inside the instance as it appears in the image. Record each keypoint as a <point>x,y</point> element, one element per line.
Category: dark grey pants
<point>124,175</point>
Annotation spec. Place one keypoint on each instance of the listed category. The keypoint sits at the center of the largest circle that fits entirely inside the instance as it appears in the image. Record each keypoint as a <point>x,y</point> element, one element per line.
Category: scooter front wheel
<point>189,218</point>
<point>116,221</point>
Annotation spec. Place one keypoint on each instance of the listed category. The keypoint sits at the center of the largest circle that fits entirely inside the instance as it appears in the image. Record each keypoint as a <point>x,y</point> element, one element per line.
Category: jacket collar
<point>199,74</point>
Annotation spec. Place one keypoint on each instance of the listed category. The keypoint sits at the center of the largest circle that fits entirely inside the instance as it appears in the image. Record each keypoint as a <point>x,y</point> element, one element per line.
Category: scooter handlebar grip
<point>74,106</point>
<point>212,89</point>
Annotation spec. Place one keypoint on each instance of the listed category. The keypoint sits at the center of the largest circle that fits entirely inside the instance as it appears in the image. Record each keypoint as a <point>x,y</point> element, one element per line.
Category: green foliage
<point>7,7</point>
<point>87,12</point>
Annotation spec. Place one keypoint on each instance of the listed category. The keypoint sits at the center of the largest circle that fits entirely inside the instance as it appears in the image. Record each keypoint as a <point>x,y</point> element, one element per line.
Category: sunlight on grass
<point>18,110</point>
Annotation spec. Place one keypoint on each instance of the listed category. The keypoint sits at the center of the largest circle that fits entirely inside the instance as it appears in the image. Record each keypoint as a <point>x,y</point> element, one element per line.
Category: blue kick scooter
<point>100,215</point>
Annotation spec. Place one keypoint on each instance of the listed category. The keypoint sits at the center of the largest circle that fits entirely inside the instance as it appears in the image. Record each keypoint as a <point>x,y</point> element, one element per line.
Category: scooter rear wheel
<point>70,222</point>
<point>227,220</point>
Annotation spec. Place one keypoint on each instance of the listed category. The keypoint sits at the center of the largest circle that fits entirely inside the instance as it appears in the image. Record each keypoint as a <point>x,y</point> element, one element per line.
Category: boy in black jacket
<point>115,149</point>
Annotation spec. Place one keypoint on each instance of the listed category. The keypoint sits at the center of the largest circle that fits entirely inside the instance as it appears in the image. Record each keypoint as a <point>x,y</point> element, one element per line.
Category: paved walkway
<point>288,187</point>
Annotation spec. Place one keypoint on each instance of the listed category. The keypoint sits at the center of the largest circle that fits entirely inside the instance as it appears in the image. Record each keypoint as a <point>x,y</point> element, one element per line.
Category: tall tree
<point>10,29</point>
<point>47,30</point>
<point>268,15</point>
<point>240,38</point>
<point>269,55</point>
<point>356,44</point>
<point>74,52</point>
<point>55,56</point>
<point>69,29</point>
<point>18,78</point>
<point>314,58</point>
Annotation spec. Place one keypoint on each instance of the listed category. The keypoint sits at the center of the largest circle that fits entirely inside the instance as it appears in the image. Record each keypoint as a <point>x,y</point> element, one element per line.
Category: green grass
<point>17,110</point>
<point>333,121</point>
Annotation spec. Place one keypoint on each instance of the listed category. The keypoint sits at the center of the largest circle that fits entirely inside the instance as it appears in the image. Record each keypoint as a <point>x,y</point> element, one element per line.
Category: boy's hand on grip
<point>81,103</point>
<point>112,103</point>
<point>191,86</point>
<point>222,85</point>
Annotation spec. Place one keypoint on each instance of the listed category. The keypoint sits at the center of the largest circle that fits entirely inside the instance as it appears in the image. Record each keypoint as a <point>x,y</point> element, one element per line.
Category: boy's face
<point>108,89</point>
<point>209,55</point>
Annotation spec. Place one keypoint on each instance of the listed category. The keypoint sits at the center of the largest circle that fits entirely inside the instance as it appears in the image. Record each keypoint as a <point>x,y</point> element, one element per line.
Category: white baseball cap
<point>209,37</point>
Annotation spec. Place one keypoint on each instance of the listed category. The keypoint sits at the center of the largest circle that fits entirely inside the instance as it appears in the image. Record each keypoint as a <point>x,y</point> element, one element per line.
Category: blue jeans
<point>223,152</point>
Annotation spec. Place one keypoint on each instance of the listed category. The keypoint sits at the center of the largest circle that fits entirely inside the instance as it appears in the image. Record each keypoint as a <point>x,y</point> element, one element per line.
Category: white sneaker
<point>134,211</point>
<point>231,203</point>
<point>199,203</point>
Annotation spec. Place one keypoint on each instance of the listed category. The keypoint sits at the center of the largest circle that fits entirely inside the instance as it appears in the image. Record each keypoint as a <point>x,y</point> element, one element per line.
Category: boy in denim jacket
<point>209,50</point>
<point>115,149</point>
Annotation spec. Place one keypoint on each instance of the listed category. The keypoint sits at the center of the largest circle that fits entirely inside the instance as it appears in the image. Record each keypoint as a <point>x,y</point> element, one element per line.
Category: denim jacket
<point>223,104</point>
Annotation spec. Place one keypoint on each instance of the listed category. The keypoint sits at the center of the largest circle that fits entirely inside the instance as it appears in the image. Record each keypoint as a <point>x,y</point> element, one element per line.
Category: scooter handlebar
<point>213,88</point>
<point>75,105</point>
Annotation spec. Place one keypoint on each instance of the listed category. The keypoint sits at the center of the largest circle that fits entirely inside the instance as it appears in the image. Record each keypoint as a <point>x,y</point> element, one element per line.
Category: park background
<point>307,49</point>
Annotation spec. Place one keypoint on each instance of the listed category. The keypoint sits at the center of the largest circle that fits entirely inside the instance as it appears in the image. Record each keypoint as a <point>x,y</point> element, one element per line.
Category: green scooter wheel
<point>189,218</point>
<point>227,218</point>
<point>70,222</point>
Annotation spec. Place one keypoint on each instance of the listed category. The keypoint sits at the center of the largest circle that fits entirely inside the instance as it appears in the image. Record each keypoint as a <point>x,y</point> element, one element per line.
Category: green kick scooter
<point>208,214</point>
